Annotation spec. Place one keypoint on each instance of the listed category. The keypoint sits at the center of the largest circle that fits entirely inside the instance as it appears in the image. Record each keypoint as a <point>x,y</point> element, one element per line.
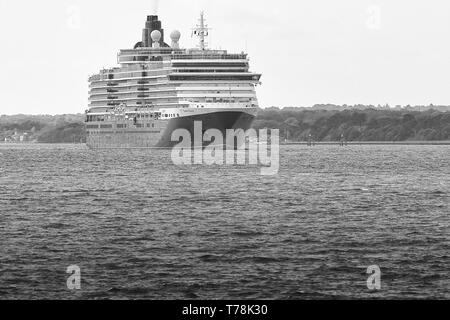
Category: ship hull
<point>159,133</point>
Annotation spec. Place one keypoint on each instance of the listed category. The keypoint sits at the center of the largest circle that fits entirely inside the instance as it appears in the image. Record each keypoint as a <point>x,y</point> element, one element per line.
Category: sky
<point>393,52</point>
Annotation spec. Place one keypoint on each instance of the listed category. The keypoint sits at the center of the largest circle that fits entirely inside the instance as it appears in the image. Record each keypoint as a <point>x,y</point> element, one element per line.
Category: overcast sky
<point>309,52</point>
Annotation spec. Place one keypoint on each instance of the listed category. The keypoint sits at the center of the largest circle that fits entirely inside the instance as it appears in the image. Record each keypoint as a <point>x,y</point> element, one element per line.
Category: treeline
<point>295,124</point>
<point>43,128</point>
<point>66,133</point>
<point>356,125</point>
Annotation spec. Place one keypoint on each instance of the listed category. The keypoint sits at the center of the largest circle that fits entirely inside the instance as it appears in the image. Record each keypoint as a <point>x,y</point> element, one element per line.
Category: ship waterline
<point>160,88</point>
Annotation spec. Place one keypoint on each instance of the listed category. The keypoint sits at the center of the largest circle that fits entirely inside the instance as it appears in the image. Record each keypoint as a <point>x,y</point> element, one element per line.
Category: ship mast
<point>201,31</point>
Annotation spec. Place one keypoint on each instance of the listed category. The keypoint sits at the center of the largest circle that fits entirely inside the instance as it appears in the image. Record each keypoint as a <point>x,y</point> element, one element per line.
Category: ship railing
<point>210,57</point>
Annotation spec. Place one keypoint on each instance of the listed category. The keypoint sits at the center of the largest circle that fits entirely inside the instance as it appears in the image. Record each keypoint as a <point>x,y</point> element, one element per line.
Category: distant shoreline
<point>390,143</point>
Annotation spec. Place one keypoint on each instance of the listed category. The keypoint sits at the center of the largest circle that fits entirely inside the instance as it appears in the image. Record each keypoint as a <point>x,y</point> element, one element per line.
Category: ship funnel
<point>151,25</point>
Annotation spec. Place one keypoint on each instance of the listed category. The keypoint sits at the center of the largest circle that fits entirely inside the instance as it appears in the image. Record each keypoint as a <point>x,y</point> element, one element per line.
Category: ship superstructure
<point>159,88</point>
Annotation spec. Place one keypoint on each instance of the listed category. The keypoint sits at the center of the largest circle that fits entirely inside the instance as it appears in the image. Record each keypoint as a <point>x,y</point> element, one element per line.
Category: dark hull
<point>219,120</point>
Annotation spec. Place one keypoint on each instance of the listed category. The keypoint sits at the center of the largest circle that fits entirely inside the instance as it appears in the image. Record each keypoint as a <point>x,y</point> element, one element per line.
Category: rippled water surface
<point>141,228</point>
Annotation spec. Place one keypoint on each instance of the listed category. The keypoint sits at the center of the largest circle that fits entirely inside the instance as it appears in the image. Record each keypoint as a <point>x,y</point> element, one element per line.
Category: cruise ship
<point>158,88</point>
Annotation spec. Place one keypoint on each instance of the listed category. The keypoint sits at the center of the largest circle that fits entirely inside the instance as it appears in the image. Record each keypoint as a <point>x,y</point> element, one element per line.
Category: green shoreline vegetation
<point>321,123</point>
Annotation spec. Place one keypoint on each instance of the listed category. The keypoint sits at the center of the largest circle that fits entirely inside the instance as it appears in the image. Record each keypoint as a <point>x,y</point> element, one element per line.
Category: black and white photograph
<point>208,151</point>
